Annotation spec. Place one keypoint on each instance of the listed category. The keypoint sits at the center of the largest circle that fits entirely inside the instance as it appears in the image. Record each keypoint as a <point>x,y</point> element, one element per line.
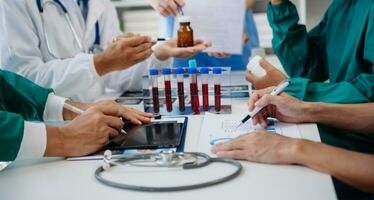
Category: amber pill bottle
<point>185,32</point>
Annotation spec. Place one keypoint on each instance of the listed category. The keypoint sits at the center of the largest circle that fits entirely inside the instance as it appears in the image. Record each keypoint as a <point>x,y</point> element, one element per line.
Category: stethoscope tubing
<point>208,161</point>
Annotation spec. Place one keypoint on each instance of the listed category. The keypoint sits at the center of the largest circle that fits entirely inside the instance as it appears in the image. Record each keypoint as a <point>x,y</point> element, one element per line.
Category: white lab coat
<point>23,48</point>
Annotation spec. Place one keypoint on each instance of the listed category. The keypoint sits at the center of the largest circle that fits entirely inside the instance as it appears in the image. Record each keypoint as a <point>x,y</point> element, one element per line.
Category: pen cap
<point>166,71</point>
<point>255,67</point>
<point>217,70</point>
<point>179,70</point>
<point>192,63</point>
<point>153,72</point>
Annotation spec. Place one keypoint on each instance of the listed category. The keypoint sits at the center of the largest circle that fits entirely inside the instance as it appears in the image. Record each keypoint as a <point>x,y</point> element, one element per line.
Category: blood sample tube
<point>169,102</point>
<point>205,87</point>
<point>194,91</point>
<point>180,73</point>
<point>154,81</point>
<point>217,88</point>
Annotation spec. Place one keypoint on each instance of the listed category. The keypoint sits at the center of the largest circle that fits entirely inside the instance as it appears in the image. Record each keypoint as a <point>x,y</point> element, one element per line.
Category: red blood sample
<point>205,97</point>
<point>182,106</point>
<point>169,102</point>
<point>217,95</point>
<point>195,98</point>
<point>156,101</point>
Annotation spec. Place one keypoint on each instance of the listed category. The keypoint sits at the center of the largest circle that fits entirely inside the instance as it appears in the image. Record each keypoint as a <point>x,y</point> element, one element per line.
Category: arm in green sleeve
<point>302,54</point>
<point>11,134</point>
<point>19,95</point>
<point>341,92</point>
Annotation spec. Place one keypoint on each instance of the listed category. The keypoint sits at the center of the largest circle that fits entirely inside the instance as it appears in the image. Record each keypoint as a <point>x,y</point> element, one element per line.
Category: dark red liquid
<point>195,98</point>
<point>217,98</point>
<point>205,97</point>
<point>182,106</point>
<point>169,102</point>
<point>156,101</point>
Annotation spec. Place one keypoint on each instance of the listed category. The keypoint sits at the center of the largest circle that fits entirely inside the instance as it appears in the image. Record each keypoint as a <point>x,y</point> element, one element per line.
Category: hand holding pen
<point>168,7</point>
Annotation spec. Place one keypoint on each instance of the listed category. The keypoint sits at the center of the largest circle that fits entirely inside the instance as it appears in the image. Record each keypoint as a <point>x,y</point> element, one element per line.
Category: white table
<point>59,179</point>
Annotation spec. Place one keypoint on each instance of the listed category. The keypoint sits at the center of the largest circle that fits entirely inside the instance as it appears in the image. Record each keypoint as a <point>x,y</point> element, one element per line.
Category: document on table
<point>220,128</point>
<point>218,21</point>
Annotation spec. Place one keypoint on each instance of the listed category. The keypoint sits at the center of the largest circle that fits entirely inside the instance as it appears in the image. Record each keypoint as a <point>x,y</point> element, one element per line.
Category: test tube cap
<point>192,71</point>
<point>217,70</point>
<point>179,70</point>
<point>153,72</point>
<point>204,70</point>
<point>192,63</point>
<point>166,71</point>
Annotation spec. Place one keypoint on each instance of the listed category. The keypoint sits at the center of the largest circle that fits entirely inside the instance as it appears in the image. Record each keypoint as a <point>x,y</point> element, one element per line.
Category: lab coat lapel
<point>96,9</point>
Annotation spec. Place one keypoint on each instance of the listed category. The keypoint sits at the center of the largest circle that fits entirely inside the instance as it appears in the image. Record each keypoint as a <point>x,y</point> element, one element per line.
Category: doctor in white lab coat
<point>39,43</point>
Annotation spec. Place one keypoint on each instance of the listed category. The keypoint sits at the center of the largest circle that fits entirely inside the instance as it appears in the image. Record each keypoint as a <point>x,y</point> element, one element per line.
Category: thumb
<point>266,65</point>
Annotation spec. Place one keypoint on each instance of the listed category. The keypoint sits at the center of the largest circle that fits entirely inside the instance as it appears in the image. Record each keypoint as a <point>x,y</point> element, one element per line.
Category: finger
<point>142,47</point>
<point>266,65</point>
<point>263,119</point>
<point>112,132</point>
<point>167,8</point>
<point>267,99</point>
<point>114,122</point>
<point>107,110</point>
<point>135,41</point>
<point>132,118</point>
<point>235,154</point>
<point>252,100</point>
<point>174,7</point>
<point>181,3</point>
<point>250,77</point>
<point>142,55</point>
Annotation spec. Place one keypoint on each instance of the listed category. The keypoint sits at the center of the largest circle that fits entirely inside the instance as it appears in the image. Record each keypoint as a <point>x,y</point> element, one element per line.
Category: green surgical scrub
<point>20,100</point>
<point>334,62</point>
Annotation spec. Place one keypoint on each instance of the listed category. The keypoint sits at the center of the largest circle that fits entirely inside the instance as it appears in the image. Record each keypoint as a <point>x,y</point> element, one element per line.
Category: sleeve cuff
<point>298,87</point>
<point>34,141</point>
<point>54,108</point>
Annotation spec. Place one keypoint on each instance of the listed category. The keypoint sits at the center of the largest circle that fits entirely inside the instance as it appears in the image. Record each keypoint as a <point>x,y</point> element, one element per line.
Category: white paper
<point>218,21</point>
<point>221,128</point>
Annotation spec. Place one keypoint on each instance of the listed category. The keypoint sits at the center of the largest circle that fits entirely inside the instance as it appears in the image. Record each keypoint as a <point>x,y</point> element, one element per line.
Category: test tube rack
<point>226,94</point>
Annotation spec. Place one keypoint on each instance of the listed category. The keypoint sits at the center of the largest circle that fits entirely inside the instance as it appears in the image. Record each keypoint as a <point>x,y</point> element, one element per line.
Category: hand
<point>134,116</point>
<point>170,49</point>
<point>275,2</point>
<point>126,51</point>
<point>167,7</point>
<point>283,107</point>
<point>260,147</point>
<point>272,78</point>
<point>86,134</point>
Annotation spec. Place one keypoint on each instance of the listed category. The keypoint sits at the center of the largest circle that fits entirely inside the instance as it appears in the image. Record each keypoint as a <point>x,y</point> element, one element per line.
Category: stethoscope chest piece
<point>166,160</point>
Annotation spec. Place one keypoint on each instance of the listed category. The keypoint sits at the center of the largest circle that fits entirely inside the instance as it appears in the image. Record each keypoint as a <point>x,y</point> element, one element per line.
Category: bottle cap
<point>192,63</point>
<point>217,70</point>
<point>192,71</point>
<point>184,19</point>
<point>153,72</point>
<point>179,70</point>
<point>204,70</point>
<point>166,71</point>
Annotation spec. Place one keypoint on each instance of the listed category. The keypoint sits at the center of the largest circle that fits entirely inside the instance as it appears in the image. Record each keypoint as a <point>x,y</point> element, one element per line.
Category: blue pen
<point>279,89</point>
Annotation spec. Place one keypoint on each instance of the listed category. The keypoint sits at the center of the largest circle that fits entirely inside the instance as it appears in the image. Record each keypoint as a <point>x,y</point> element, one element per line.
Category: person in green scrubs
<point>333,63</point>
<point>23,105</point>
<point>355,169</point>
<point>339,49</point>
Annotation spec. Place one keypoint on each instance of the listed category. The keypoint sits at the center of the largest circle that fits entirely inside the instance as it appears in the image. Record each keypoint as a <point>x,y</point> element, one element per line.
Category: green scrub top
<point>20,100</point>
<point>338,49</point>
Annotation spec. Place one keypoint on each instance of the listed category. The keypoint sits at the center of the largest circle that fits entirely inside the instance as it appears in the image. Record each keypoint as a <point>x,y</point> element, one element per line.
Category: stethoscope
<point>94,49</point>
<point>165,159</point>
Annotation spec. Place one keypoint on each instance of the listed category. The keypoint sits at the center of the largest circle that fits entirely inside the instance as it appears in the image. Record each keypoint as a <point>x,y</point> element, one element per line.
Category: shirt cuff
<point>54,108</point>
<point>34,142</point>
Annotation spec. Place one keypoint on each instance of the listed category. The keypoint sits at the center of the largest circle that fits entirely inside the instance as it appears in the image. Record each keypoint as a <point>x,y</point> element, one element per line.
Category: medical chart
<point>218,21</point>
<point>221,128</point>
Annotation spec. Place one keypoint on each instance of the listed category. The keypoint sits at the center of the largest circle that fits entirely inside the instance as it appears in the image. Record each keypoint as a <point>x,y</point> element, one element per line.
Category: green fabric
<point>339,49</point>
<point>20,100</point>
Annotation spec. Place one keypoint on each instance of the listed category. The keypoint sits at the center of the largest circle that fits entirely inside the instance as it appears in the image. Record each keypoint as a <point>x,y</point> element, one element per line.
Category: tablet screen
<point>149,136</point>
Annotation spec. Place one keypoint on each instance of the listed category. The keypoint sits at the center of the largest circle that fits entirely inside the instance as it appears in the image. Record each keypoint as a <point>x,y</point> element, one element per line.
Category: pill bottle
<point>185,32</point>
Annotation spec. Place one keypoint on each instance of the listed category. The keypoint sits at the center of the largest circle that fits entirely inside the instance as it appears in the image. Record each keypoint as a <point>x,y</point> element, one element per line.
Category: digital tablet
<point>159,134</point>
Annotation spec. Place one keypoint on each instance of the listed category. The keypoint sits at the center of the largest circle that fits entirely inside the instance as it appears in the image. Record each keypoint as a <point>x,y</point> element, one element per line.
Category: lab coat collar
<point>96,9</point>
